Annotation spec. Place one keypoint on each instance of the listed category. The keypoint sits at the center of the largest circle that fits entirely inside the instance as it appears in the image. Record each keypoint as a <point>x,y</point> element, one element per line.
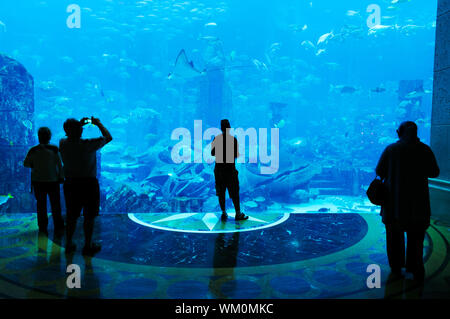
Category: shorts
<point>82,194</point>
<point>226,179</point>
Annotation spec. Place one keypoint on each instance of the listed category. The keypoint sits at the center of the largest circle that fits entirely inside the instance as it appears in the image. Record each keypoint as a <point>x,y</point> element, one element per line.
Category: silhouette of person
<point>81,187</point>
<point>225,148</point>
<point>405,167</point>
<point>46,175</point>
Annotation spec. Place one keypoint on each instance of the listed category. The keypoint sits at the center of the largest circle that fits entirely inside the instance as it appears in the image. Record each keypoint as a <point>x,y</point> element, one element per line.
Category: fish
<point>28,124</point>
<point>404,103</point>
<point>324,38</point>
<point>378,90</point>
<point>119,121</point>
<point>2,26</point>
<point>352,13</point>
<point>320,51</point>
<point>343,88</point>
<point>307,44</point>
<point>128,62</point>
<point>259,65</point>
<point>417,94</point>
<point>379,27</point>
<point>184,68</point>
<point>5,198</point>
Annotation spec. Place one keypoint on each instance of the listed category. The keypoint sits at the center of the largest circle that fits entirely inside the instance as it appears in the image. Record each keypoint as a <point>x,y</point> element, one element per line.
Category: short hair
<point>224,124</point>
<point>407,128</point>
<point>73,128</point>
<point>44,135</point>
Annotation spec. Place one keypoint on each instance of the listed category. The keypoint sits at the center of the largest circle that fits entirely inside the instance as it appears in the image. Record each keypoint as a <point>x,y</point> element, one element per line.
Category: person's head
<point>224,124</point>
<point>73,128</point>
<point>407,130</point>
<point>44,135</point>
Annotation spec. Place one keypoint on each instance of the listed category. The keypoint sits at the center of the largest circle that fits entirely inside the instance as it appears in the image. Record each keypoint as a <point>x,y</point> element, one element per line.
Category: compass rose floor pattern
<point>196,255</point>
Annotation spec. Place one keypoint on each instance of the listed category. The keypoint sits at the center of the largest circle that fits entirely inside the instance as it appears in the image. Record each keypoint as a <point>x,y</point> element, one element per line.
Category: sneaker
<point>92,250</point>
<point>224,216</point>
<point>241,216</point>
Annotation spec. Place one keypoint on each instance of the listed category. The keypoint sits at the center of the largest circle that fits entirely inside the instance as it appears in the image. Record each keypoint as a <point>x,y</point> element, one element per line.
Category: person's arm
<point>28,162</point>
<point>103,130</point>
<point>381,169</point>
<point>60,167</point>
<point>433,168</point>
<point>236,148</point>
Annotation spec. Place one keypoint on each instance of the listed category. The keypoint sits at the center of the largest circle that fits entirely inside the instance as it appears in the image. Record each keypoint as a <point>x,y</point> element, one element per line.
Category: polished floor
<point>275,254</point>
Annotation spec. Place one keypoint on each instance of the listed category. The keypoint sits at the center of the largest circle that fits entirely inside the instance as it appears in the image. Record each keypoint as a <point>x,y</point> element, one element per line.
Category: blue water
<point>342,95</point>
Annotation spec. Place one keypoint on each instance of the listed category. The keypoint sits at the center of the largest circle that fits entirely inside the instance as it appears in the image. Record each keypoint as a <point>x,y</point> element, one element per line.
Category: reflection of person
<point>81,188</point>
<point>226,249</point>
<point>46,175</point>
<point>405,166</point>
<point>225,148</point>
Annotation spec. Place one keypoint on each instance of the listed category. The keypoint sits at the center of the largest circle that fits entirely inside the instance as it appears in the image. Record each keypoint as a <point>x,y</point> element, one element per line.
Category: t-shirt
<point>45,163</point>
<point>79,156</point>
<point>225,149</point>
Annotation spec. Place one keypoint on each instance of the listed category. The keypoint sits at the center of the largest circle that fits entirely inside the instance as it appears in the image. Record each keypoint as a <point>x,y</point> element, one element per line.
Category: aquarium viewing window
<point>316,87</point>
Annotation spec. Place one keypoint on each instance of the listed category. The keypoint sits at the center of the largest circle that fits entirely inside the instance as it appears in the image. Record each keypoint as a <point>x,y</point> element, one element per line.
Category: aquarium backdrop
<point>330,80</point>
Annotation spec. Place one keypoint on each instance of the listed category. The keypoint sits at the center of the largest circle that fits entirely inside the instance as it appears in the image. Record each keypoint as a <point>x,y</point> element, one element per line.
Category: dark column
<point>440,120</point>
<point>16,133</point>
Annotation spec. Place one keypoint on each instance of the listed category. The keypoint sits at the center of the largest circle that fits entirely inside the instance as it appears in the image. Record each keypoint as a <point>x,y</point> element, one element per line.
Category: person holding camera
<point>81,187</point>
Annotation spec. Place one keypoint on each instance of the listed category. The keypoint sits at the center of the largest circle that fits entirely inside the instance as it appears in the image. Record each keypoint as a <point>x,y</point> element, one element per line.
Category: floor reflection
<point>226,248</point>
<point>308,256</point>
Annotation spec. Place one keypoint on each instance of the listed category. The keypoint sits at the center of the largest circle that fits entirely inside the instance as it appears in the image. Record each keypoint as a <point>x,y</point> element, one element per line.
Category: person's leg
<point>235,198</point>
<point>73,212</point>
<point>414,253</point>
<point>41,206</point>
<point>395,246</point>
<point>220,192</point>
<point>88,227</point>
<point>233,191</point>
<point>91,204</point>
<point>222,202</point>
<point>55,202</point>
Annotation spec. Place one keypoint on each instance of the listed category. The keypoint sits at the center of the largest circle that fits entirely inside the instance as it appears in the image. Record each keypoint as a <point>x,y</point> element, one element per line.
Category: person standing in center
<point>81,188</point>
<point>225,148</point>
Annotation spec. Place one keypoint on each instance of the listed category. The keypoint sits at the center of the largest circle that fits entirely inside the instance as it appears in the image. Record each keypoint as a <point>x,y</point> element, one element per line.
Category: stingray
<point>184,68</point>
